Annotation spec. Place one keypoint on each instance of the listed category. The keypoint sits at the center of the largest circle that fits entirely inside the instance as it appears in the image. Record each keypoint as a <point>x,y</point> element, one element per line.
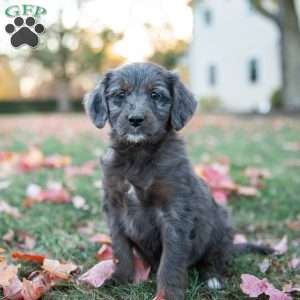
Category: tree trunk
<point>63,101</point>
<point>290,54</point>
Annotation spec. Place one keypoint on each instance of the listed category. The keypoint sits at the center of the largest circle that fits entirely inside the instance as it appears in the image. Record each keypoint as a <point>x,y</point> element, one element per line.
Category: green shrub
<point>277,100</point>
<point>210,103</point>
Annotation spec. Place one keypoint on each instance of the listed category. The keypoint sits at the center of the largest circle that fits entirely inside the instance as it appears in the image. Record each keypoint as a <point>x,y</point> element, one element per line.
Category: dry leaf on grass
<point>87,169</point>
<point>254,287</point>
<point>104,253</point>
<point>294,263</point>
<point>7,273</point>
<point>101,238</point>
<point>31,160</point>
<point>59,270</point>
<point>8,209</point>
<point>98,274</point>
<point>54,193</point>
<point>33,257</point>
<point>281,247</point>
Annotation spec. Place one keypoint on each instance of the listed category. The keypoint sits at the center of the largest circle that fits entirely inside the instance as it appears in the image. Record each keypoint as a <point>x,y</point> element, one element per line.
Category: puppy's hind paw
<point>214,284</point>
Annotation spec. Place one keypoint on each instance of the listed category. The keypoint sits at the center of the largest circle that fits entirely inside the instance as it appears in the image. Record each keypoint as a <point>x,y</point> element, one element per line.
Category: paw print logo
<point>24,34</point>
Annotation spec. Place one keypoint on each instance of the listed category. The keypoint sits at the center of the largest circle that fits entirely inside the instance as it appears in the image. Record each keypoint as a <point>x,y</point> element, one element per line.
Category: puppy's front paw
<point>214,283</point>
<point>122,277</point>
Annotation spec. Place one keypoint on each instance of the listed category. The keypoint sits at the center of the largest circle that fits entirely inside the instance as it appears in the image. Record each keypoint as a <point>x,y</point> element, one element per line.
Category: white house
<point>234,55</point>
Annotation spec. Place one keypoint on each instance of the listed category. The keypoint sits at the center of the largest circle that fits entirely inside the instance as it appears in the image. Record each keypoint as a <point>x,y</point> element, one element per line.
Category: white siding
<point>237,35</point>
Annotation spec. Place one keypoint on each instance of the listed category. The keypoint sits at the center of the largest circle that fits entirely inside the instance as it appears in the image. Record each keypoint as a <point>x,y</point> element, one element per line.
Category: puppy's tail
<point>242,248</point>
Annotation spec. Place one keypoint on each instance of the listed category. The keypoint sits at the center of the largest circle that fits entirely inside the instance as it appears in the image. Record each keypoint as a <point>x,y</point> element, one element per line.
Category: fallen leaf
<point>254,287</point>
<point>294,225</point>
<point>31,160</point>
<point>39,285</point>
<point>33,257</point>
<point>10,210</point>
<point>59,270</point>
<point>54,193</point>
<point>104,253</point>
<point>294,263</point>
<point>248,191</point>
<point>101,238</point>
<point>87,169</point>
<point>14,290</point>
<point>290,288</point>
<point>7,273</point>
<point>8,236</point>
<point>281,247</point>
<point>57,161</point>
<point>99,273</point>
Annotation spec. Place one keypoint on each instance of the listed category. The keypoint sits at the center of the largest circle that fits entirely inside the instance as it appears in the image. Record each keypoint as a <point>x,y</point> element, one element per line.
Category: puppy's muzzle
<point>136,120</point>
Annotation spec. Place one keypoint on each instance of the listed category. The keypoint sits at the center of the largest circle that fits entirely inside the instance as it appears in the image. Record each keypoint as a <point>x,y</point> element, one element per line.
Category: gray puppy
<point>153,200</point>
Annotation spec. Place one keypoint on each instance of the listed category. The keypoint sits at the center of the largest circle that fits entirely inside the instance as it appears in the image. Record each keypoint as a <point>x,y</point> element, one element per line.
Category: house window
<point>253,71</point>
<point>207,17</point>
<point>212,75</point>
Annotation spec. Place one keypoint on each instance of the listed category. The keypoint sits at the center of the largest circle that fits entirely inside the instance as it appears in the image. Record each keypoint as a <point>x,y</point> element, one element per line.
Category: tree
<point>167,50</point>
<point>284,16</point>
<point>68,52</point>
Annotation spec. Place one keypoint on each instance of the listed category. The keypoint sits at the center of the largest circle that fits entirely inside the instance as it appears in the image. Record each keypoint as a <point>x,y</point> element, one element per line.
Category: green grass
<point>55,227</point>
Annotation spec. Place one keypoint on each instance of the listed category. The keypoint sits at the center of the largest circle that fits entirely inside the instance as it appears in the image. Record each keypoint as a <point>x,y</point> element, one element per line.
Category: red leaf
<point>56,161</point>
<point>33,257</point>
<point>104,253</point>
<point>253,287</point>
<point>98,274</point>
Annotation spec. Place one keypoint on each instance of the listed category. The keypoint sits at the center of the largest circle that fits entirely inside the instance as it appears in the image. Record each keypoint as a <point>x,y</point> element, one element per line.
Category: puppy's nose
<point>135,120</point>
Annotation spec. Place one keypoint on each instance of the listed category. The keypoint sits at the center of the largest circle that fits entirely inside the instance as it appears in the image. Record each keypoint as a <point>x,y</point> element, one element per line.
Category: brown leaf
<point>101,238</point>
<point>87,169</point>
<point>57,161</point>
<point>294,225</point>
<point>33,257</point>
<point>59,270</point>
<point>38,286</point>
<point>247,191</point>
<point>31,160</point>
<point>98,274</point>
<point>10,210</point>
<point>104,253</point>
<point>7,273</point>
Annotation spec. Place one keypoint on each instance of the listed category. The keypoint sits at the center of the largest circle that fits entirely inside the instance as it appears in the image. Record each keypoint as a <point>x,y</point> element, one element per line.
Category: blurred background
<point>236,55</point>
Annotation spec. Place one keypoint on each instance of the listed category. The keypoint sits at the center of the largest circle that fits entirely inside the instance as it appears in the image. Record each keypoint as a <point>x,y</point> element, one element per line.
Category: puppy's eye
<point>155,95</point>
<point>121,94</point>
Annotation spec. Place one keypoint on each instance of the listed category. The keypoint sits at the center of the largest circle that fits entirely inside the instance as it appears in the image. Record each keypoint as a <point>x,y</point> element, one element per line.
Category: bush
<point>210,103</point>
<point>277,100</point>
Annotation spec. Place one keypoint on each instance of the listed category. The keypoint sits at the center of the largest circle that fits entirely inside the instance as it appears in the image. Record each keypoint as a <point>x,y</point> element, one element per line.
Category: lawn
<point>62,231</point>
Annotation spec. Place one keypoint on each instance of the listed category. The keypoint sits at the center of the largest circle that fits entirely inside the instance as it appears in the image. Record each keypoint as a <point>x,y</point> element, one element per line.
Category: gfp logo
<point>25,30</point>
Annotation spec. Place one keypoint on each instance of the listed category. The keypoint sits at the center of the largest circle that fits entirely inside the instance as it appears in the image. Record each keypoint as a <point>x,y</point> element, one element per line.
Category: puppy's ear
<point>184,103</point>
<point>95,103</point>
